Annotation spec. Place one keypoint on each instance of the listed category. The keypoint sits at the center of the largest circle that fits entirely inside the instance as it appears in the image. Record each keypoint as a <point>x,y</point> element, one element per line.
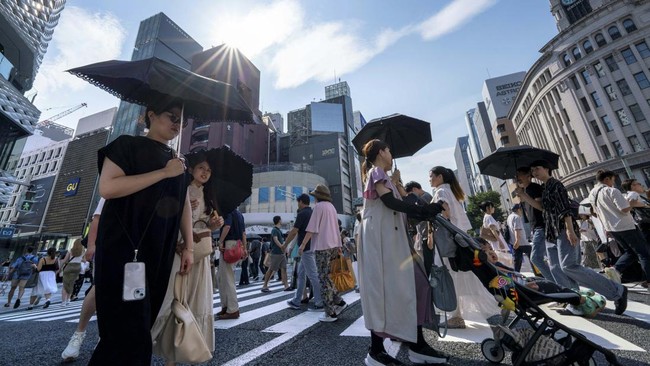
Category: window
<point>594,126</point>
<point>611,93</point>
<point>587,46</point>
<point>574,80</point>
<point>618,148</point>
<point>646,137</point>
<point>596,99</point>
<point>622,117</point>
<point>263,195</point>
<point>629,25</point>
<point>505,140</point>
<point>642,47</point>
<point>636,113</point>
<point>576,53</point>
<point>600,71</point>
<point>608,123</point>
<point>625,88</point>
<point>296,191</point>
<point>586,77</point>
<point>566,59</point>
<point>614,32</point>
<point>501,128</point>
<point>628,55</point>
<point>611,63</point>
<point>585,104</point>
<point>634,142</point>
<point>606,152</point>
<point>600,39</point>
<point>642,80</point>
<point>279,194</point>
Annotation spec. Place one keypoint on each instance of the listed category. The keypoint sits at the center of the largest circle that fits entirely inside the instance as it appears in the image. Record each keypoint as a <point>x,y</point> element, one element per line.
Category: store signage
<point>71,187</point>
<point>6,232</point>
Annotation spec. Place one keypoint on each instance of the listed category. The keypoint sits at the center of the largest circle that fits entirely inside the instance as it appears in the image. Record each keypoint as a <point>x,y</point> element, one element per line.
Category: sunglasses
<point>173,118</point>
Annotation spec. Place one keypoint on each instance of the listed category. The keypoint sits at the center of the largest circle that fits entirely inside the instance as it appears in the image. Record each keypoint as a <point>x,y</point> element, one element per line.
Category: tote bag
<point>341,275</point>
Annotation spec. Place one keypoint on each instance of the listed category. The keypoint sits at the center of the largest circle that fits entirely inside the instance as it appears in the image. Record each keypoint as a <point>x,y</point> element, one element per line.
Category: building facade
<point>588,96</point>
<point>26,28</point>
<point>464,162</point>
<point>157,36</point>
<point>478,131</point>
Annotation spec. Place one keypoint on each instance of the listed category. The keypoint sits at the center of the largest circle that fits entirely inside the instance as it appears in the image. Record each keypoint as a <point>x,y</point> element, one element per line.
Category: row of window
<point>38,169</point>
<point>623,86</point>
<point>40,157</point>
<point>281,193</point>
<point>614,34</point>
<point>618,148</point>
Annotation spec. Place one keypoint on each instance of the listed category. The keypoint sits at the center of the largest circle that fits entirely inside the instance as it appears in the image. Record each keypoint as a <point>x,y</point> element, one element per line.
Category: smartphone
<point>134,281</point>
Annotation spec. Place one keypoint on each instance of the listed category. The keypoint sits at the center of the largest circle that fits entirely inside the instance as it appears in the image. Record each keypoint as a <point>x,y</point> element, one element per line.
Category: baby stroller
<point>546,341</point>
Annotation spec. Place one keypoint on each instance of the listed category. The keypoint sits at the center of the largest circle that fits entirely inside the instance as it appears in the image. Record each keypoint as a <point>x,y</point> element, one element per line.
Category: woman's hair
<point>164,105</point>
<point>370,150</point>
<point>484,205</point>
<point>209,196</point>
<point>449,177</point>
<point>77,248</point>
<point>627,184</point>
<point>51,252</point>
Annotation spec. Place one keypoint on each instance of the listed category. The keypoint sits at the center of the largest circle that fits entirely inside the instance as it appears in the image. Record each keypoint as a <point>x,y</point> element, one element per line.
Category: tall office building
<point>275,121</point>
<point>157,36</point>
<point>26,28</point>
<point>338,89</point>
<point>481,144</point>
<point>464,162</point>
<point>587,95</point>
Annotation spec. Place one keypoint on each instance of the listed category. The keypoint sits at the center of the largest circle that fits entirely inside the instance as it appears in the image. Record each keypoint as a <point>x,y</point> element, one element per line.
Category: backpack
<point>25,268</point>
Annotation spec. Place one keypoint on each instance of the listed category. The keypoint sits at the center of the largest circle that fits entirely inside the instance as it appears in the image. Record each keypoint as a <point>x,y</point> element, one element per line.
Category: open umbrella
<point>148,81</point>
<point>503,163</point>
<point>405,135</point>
<point>231,180</point>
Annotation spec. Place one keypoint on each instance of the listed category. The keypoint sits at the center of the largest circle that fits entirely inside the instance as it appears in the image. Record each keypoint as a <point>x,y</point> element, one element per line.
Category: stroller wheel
<point>492,351</point>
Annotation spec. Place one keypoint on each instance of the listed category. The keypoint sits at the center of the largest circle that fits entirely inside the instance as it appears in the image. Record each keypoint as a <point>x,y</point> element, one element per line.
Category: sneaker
<point>47,304</point>
<point>613,274</point>
<point>71,352</point>
<point>456,323</point>
<point>293,306</point>
<point>30,307</point>
<point>265,289</point>
<point>316,308</point>
<point>338,309</point>
<point>304,301</point>
<point>427,354</point>
<point>327,318</point>
<point>621,303</point>
<point>289,289</point>
<point>380,359</point>
<point>17,304</point>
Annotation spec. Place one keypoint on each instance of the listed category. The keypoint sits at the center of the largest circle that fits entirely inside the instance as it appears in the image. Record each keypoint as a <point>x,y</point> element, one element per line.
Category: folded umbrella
<point>146,82</point>
<point>231,181</point>
<point>504,162</point>
<point>405,135</point>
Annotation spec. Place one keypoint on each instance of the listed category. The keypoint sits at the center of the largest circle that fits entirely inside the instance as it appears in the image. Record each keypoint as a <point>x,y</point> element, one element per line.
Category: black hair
<point>164,105</point>
<point>543,164</point>
<point>524,169</point>
<point>410,185</point>
<point>29,249</point>
<point>449,177</point>
<point>304,198</point>
<point>601,175</point>
<point>484,205</point>
<point>209,196</point>
<point>276,219</point>
<point>627,184</point>
<point>370,150</point>
<point>51,252</point>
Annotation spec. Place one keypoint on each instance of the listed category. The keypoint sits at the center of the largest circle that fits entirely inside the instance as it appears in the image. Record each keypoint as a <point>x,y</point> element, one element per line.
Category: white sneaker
<point>326,318</point>
<point>338,309</point>
<point>71,352</point>
<point>613,274</point>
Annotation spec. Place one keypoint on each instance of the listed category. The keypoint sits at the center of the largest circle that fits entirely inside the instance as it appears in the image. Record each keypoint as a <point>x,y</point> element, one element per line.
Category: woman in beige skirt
<point>70,269</point>
<point>198,291</point>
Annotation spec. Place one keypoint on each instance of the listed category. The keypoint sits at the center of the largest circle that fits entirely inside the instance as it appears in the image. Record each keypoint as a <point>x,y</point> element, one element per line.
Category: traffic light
<point>28,199</point>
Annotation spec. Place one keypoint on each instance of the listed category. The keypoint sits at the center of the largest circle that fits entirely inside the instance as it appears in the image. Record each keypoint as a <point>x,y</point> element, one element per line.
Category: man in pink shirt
<point>323,231</point>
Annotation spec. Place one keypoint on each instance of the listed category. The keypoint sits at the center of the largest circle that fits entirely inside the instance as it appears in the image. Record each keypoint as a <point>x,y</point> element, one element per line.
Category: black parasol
<point>405,135</point>
<point>504,162</point>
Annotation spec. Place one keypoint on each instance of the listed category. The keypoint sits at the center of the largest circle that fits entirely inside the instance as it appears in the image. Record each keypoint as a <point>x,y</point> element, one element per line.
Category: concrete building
<point>587,95</point>
<point>157,36</point>
<point>26,28</point>
<point>478,128</point>
<point>464,162</point>
<point>275,121</point>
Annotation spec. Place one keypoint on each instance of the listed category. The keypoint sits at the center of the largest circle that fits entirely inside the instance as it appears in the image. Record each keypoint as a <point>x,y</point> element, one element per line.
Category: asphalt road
<point>268,333</point>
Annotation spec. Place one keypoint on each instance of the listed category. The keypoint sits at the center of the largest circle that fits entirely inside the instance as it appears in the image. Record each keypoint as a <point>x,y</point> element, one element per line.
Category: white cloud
<point>452,16</point>
<point>262,27</point>
<point>80,38</point>
<point>417,167</point>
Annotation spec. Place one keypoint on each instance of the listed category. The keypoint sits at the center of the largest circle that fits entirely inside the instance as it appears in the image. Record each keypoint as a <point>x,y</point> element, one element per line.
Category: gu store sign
<point>71,187</point>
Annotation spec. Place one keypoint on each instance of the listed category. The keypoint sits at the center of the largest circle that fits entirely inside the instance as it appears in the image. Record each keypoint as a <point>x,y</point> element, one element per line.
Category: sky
<point>425,59</point>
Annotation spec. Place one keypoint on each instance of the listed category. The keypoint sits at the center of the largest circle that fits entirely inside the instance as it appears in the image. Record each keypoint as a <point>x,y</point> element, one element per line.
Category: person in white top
<point>474,301</point>
<point>614,212</point>
<point>490,229</point>
<point>518,237</point>
<point>639,199</point>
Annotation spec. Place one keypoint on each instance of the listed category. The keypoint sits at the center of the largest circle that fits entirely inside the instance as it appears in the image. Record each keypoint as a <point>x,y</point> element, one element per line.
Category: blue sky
<point>426,59</point>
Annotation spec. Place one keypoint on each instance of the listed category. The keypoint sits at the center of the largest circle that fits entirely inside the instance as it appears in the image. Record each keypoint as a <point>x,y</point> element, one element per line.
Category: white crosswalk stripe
<point>255,305</point>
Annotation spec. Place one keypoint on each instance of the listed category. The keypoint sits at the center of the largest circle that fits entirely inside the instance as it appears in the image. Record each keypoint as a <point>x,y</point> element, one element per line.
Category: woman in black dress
<point>144,185</point>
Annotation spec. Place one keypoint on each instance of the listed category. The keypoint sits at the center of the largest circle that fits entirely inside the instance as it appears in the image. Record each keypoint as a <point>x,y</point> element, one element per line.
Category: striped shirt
<point>556,206</point>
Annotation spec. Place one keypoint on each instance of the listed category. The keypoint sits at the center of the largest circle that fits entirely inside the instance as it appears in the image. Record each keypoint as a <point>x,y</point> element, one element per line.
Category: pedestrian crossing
<point>255,305</point>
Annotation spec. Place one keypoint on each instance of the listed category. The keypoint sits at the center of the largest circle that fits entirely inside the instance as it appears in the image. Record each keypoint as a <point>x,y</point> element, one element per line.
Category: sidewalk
<point>24,301</point>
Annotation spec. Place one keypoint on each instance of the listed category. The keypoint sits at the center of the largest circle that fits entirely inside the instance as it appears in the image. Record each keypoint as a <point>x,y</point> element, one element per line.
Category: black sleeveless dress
<point>151,217</point>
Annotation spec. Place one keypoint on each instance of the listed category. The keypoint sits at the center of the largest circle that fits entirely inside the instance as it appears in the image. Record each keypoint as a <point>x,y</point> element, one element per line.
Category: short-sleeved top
<point>302,220</point>
<point>324,226</point>
<point>256,248</point>
<point>100,207</point>
<point>276,233</point>
<point>587,232</point>
<point>457,214</point>
<point>265,247</point>
<point>608,206</point>
<point>489,220</point>
<point>235,220</point>
<point>555,201</point>
<point>535,216</point>
<point>29,257</point>
<point>516,222</point>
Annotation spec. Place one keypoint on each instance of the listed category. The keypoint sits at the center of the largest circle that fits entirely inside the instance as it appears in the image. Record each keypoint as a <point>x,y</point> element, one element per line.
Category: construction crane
<point>61,115</point>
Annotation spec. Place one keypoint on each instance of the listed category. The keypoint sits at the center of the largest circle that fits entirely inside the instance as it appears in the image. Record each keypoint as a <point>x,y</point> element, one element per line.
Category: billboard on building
<point>500,92</point>
<point>32,217</point>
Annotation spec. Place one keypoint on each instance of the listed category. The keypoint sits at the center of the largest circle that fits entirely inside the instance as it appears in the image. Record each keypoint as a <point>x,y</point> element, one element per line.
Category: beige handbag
<point>202,245</point>
<point>181,339</point>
